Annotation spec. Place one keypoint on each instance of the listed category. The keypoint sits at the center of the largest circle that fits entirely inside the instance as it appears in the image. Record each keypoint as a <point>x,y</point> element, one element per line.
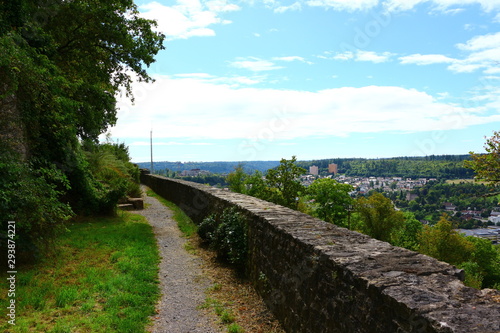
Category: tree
<point>62,64</point>
<point>487,258</point>
<point>487,166</point>
<point>331,200</point>
<point>442,242</point>
<point>236,179</point>
<point>380,219</point>
<point>408,235</point>
<point>284,180</point>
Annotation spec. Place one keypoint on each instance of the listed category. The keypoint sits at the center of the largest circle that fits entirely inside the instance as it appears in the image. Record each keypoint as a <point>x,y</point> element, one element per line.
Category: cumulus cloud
<point>189,107</point>
<point>340,5</point>
<point>293,7</point>
<point>445,6</point>
<point>362,56</point>
<point>483,53</point>
<point>187,18</point>
<point>254,64</point>
<point>442,5</point>
<point>426,59</point>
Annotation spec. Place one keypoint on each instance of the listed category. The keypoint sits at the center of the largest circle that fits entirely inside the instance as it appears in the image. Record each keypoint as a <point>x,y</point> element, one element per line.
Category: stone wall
<point>316,277</point>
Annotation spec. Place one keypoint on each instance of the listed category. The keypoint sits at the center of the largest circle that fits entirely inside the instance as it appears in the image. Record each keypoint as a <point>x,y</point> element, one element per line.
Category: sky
<point>245,80</point>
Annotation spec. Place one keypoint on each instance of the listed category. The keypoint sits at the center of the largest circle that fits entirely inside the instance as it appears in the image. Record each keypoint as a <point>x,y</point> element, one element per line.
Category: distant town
<point>479,217</point>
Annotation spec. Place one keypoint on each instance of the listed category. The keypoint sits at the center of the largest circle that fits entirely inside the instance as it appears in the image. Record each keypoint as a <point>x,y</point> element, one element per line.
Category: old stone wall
<point>317,277</point>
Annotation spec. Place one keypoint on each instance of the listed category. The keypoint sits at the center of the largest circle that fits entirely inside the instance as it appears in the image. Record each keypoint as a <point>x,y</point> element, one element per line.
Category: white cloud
<point>373,56</point>
<point>221,6</point>
<point>483,42</point>
<point>290,58</point>
<point>233,81</point>
<point>483,53</point>
<point>402,5</point>
<point>188,18</point>
<point>197,109</point>
<point>254,64</point>
<point>293,7</point>
<point>442,5</point>
<point>426,59</point>
<point>348,55</point>
<point>293,58</point>
<point>350,5</point>
<point>362,56</point>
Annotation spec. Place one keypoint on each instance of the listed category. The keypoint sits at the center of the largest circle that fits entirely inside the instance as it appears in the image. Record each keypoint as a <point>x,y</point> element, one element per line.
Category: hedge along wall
<point>317,277</point>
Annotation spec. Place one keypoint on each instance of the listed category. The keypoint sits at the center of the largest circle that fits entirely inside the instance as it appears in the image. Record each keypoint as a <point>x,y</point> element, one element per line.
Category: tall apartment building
<point>313,170</point>
<point>333,168</point>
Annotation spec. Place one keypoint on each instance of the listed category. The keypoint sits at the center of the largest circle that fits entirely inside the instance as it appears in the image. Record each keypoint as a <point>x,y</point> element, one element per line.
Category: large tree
<point>379,217</point>
<point>487,166</point>
<point>284,179</point>
<point>331,200</point>
<point>62,64</point>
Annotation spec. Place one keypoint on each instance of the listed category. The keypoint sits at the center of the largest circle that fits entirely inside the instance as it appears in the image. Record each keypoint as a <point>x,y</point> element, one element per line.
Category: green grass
<point>184,223</point>
<point>103,277</point>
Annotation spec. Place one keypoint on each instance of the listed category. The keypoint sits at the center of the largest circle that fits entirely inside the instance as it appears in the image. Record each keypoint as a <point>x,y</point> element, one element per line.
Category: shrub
<point>207,228</point>
<point>31,198</point>
<point>227,234</point>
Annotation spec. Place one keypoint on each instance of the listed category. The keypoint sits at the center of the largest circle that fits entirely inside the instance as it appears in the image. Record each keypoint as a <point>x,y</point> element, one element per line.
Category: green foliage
<point>227,234</point>
<point>31,198</point>
<point>464,195</point>
<point>473,276</point>
<point>207,228</point>
<point>285,184</point>
<point>117,177</point>
<point>379,218</point>
<point>236,179</point>
<point>487,257</point>
<point>479,258</point>
<point>487,166</point>
<point>442,167</point>
<point>331,200</point>
<point>408,235</point>
<point>444,243</point>
<point>62,65</point>
<point>256,187</point>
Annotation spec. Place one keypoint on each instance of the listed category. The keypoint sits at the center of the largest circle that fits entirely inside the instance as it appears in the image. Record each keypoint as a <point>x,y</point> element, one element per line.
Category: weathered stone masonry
<point>317,277</point>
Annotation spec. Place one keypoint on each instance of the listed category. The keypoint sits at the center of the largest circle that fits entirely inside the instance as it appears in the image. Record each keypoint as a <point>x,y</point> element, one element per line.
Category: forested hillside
<point>442,167</point>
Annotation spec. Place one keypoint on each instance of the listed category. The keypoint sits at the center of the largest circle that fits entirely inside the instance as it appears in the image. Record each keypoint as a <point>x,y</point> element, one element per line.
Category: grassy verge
<point>184,223</point>
<point>102,278</point>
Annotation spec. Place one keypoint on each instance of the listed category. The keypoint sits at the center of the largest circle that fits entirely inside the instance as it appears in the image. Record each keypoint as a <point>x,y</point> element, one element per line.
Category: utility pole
<point>151,143</point>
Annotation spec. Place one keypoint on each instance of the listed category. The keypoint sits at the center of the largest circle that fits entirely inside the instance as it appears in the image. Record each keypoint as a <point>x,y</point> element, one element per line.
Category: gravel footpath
<point>181,280</point>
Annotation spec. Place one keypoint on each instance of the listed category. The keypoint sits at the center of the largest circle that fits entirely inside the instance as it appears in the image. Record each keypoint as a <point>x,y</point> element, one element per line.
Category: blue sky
<point>265,80</point>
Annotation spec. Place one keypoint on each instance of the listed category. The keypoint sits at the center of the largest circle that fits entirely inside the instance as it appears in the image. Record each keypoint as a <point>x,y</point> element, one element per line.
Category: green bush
<point>207,228</point>
<point>227,234</point>
<point>31,198</point>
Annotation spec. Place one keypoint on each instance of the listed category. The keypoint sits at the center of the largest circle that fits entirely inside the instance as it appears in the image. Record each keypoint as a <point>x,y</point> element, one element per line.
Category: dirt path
<point>181,281</point>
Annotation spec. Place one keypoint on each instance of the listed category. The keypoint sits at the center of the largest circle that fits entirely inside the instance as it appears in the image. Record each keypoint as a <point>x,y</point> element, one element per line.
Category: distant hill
<point>215,167</point>
<point>434,166</point>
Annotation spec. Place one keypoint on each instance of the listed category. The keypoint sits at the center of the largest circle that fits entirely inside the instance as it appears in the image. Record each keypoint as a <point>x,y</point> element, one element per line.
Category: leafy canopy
<point>331,200</point>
